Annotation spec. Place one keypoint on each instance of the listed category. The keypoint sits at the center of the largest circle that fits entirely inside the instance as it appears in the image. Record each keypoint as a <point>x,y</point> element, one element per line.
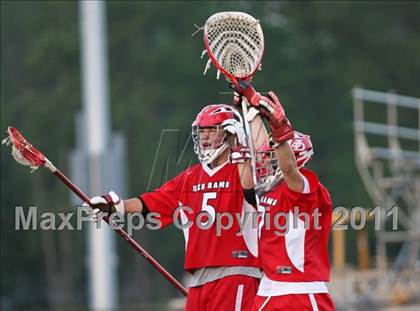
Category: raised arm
<point>259,133</point>
<point>281,131</point>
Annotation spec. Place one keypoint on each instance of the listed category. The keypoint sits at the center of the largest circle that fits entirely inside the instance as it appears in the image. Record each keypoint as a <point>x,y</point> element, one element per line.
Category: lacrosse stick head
<point>22,151</point>
<point>235,44</point>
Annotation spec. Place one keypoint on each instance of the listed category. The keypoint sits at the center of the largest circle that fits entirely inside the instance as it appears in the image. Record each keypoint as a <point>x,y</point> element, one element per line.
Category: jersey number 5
<point>205,207</point>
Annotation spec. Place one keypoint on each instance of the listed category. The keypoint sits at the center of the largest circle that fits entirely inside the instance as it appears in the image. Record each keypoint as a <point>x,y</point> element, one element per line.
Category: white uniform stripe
<point>239,294</point>
<point>264,304</point>
<point>313,302</point>
<point>186,229</point>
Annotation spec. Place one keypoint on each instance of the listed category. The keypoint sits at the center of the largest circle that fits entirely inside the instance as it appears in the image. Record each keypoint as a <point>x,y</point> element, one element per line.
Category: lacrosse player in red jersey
<point>293,245</point>
<point>224,266</point>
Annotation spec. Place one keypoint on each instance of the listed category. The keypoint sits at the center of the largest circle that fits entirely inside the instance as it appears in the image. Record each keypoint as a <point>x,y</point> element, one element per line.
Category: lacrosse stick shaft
<point>244,104</point>
<point>25,154</point>
<point>248,133</point>
<point>124,235</point>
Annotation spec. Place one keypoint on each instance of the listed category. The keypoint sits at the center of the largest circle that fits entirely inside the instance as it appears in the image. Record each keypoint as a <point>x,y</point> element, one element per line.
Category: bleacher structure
<point>387,154</point>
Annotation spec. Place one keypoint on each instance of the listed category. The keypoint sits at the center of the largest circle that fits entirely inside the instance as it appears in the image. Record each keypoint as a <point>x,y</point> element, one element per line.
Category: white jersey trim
<point>313,302</point>
<point>250,231</point>
<point>306,188</point>
<point>184,221</point>
<point>212,171</point>
<point>264,304</point>
<point>239,294</point>
<point>209,274</point>
<point>295,236</point>
<point>274,288</point>
<point>295,241</point>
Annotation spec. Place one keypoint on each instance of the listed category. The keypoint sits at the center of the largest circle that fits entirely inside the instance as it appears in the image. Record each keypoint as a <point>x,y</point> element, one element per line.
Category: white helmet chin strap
<point>208,156</point>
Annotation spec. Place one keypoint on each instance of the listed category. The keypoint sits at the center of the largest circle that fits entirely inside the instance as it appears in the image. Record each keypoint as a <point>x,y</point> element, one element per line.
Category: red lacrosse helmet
<point>268,170</point>
<point>208,131</point>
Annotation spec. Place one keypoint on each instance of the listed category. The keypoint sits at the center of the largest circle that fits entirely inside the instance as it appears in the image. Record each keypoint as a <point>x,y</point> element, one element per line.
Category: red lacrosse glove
<point>271,108</point>
<point>239,154</point>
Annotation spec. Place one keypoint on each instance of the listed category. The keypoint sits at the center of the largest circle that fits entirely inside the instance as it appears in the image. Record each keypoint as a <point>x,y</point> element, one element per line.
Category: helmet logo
<point>297,144</point>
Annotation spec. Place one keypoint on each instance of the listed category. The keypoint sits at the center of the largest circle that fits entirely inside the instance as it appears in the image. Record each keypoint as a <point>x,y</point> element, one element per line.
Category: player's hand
<point>271,108</point>
<point>239,154</point>
<point>244,88</point>
<point>237,99</point>
<point>251,111</point>
<point>107,203</point>
<point>235,128</point>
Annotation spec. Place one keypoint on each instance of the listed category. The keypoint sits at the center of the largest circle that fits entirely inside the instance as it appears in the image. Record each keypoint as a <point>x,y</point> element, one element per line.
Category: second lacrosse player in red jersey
<point>223,263</point>
<point>293,245</point>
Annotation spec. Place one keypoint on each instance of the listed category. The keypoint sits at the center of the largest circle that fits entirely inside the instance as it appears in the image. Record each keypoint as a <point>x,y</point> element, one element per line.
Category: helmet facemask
<point>209,142</point>
<point>211,131</point>
<point>268,171</point>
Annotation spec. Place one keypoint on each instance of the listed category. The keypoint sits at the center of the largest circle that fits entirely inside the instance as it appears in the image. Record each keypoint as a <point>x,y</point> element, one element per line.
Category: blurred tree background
<point>315,53</point>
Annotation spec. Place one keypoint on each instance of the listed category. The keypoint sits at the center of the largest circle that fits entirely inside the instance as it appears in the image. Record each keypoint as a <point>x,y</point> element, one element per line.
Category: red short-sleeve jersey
<point>217,190</point>
<point>294,237</point>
